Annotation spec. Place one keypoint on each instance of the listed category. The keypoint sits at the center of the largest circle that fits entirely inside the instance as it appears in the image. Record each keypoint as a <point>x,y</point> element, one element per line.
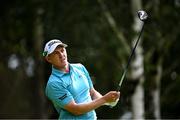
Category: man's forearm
<point>95,94</point>
<point>78,109</point>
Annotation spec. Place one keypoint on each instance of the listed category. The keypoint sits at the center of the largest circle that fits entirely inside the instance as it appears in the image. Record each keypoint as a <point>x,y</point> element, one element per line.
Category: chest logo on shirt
<point>80,76</point>
<point>63,97</point>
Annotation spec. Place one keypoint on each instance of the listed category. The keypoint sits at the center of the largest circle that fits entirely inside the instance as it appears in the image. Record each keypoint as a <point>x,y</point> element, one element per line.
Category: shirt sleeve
<point>88,77</point>
<point>58,94</point>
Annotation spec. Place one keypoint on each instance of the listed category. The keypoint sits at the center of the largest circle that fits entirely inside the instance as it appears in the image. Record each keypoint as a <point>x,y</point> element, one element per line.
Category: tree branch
<point>113,25</point>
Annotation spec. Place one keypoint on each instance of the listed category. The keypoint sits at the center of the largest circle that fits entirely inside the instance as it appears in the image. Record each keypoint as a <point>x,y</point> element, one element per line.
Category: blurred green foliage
<point>82,25</point>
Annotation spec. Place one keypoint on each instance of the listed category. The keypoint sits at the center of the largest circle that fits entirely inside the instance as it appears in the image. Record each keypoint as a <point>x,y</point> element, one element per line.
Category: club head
<point>142,15</point>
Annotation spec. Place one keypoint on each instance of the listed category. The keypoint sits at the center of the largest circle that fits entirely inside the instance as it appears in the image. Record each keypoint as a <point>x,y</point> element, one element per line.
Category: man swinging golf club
<point>70,87</point>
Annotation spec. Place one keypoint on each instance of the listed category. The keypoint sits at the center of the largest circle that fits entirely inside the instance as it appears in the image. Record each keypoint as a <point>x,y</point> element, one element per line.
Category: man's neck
<point>67,69</point>
<point>64,69</point>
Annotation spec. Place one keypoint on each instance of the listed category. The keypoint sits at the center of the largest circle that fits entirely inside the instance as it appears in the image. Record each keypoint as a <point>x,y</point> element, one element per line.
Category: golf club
<point>143,17</point>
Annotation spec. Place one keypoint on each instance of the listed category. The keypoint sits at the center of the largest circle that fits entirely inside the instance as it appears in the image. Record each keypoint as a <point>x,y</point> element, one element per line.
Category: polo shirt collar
<point>59,73</point>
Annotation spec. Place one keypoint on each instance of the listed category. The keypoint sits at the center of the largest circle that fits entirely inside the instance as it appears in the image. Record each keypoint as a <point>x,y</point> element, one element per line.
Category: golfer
<point>70,87</point>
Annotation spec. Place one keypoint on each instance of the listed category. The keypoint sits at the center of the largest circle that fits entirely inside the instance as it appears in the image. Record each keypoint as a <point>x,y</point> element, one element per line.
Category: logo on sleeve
<point>63,97</point>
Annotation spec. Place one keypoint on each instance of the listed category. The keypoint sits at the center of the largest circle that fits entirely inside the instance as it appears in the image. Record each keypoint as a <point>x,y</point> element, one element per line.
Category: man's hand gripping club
<point>112,98</point>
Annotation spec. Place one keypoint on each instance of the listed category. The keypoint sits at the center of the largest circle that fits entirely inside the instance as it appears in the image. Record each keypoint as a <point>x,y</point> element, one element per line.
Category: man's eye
<point>55,52</point>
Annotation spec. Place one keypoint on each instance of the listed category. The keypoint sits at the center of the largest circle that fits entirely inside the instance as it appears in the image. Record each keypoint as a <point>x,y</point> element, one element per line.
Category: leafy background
<point>25,26</point>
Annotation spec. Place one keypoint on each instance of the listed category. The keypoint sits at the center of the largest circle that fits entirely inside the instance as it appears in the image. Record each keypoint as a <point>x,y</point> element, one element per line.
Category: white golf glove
<point>112,104</point>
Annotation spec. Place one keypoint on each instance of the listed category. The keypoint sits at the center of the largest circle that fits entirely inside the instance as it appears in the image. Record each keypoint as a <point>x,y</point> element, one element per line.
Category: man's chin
<point>65,64</point>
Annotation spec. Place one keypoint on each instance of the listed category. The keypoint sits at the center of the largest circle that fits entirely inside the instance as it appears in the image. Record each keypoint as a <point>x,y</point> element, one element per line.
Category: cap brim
<point>55,45</point>
<point>62,44</point>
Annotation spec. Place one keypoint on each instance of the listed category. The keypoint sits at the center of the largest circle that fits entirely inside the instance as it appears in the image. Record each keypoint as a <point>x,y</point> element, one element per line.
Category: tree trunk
<point>155,93</point>
<point>157,79</point>
<point>39,70</point>
<point>154,106</point>
<point>137,71</point>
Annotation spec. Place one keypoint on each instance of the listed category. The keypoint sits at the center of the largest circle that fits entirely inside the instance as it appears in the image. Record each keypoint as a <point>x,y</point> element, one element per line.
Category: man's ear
<point>48,59</point>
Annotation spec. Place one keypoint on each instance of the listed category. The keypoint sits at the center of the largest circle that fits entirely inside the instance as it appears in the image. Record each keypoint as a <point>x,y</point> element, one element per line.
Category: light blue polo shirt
<point>75,85</point>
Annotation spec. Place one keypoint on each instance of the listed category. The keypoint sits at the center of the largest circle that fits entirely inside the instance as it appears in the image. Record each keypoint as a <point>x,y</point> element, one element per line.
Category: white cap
<point>51,46</point>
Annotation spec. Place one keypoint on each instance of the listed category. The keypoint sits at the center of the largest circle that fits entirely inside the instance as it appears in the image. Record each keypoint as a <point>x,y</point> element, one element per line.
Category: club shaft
<point>129,60</point>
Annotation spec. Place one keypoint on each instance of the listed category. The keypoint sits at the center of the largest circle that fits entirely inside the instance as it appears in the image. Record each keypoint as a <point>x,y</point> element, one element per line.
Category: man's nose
<point>61,54</point>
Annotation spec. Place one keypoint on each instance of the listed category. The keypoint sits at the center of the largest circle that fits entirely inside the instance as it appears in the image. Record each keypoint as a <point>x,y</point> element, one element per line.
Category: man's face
<point>58,58</point>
